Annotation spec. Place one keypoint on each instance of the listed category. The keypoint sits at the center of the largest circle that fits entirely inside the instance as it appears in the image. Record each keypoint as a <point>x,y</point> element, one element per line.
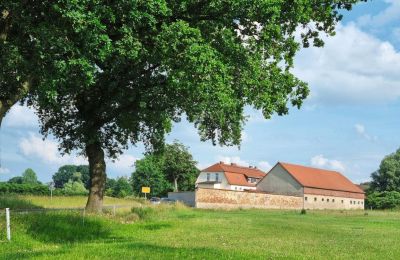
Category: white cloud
<point>21,116</point>
<point>264,165</point>
<point>47,151</point>
<point>233,159</point>
<point>4,170</point>
<point>322,162</point>
<point>125,163</point>
<point>388,15</point>
<point>352,67</point>
<point>360,129</point>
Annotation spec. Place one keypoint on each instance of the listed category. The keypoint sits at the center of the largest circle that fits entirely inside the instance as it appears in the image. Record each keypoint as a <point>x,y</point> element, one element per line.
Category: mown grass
<point>177,232</point>
<point>32,201</point>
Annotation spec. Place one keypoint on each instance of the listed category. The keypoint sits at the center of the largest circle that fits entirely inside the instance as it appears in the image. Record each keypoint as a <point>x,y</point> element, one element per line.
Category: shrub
<point>383,200</point>
<point>74,188</point>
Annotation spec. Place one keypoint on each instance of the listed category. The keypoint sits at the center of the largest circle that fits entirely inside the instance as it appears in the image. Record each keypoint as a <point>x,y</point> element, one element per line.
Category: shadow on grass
<point>62,227</point>
<point>26,254</point>
<point>13,202</point>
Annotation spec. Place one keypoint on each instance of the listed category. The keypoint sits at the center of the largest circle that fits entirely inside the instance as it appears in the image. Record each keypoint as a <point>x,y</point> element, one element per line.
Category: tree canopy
<point>387,177</point>
<point>29,176</point>
<point>114,73</point>
<point>66,173</point>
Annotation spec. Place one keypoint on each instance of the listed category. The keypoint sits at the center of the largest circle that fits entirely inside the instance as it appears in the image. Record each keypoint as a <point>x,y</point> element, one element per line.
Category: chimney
<point>221,162</point>
<point>250,167</point>
<point>233,164</point>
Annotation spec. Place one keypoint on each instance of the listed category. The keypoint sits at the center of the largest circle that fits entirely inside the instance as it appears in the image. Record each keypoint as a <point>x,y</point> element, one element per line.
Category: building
<point>229,177</point>
<point>320,189</point>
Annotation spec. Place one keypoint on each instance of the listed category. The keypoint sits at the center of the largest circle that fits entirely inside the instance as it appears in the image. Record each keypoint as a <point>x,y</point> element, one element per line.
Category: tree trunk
<point>3,111</point>
<point>97,168</point>
<point>176,184</point>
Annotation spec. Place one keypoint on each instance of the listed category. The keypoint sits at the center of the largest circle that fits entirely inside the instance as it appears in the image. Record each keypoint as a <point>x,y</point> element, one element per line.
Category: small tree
<point>122,188</point>
<point>149,173</point>
<point>29,176</point>
<point>17,180</point>
<point>74,188</point>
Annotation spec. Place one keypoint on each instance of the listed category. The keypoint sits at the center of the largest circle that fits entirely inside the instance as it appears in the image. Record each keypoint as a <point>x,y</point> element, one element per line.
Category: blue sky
<point>349,123</point>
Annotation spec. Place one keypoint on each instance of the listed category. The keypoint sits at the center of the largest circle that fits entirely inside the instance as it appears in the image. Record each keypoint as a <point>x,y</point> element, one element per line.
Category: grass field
<point>177,232</point>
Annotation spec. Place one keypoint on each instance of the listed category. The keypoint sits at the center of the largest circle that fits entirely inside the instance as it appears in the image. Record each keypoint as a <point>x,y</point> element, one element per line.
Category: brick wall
<point>214,198</point>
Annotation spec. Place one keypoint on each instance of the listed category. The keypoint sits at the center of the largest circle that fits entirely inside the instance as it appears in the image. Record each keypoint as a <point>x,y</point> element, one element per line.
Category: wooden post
<point>114,210</point>
<point>8,224</point>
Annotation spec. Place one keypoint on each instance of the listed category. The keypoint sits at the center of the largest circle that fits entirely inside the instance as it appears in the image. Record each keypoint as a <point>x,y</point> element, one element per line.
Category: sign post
<point>51,188</point>
<point>145,190</point>
<point>8,224</point>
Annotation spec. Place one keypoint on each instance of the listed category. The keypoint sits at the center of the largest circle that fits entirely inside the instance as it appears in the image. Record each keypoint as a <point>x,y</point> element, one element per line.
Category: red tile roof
<point>237,179</point>
<point>233,168</point>
<point>322,179</point>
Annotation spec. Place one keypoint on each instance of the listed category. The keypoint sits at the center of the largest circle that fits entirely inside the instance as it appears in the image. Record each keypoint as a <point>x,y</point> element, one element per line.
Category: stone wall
<point>214,198</point>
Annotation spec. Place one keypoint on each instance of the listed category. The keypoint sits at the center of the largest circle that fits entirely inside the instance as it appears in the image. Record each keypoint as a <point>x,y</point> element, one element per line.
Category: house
<point>229,177</point>
<point>320,189</point>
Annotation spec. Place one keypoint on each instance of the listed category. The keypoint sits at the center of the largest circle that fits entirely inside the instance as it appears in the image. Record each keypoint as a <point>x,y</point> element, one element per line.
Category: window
<point>217,177</point>
<point>315,199</point>
<point>362,202</point>
<point>305,198</point>
<point>351,202</point>
<point>342,201</point>
<point>333,200</point>
<point>322,199</point>
<point>235,188</point>
<point>359,203</point>
<point>327,200</point>
<point>208,177</point>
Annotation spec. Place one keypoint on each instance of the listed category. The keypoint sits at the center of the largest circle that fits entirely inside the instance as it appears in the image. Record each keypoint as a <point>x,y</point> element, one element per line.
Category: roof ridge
<point>311,167</point>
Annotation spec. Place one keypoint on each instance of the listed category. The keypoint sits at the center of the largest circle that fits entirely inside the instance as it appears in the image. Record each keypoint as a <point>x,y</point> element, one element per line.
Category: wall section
<point>229,199</point>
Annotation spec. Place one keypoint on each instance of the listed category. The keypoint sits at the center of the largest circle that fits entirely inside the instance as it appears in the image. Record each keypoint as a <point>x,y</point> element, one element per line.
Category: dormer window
<point>252,180</point>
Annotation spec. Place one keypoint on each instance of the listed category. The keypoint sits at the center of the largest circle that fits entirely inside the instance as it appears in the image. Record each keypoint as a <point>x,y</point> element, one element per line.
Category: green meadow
<point>144,231</point>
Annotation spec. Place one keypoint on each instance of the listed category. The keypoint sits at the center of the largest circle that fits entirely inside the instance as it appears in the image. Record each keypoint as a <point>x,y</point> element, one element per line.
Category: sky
<point>349,122</point>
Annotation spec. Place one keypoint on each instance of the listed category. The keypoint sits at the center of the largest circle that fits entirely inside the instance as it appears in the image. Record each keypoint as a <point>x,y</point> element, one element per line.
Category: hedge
<point>33,189</point>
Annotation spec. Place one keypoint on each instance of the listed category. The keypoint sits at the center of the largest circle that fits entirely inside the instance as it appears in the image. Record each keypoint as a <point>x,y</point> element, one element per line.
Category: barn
<point>319,188</point>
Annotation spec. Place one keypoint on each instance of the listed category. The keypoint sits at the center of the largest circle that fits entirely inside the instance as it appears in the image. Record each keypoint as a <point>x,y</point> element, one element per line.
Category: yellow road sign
<point>146,189</point>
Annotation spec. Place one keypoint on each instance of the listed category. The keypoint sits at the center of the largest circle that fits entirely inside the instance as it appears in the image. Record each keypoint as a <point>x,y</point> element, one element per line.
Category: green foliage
<point>138,66</point>
<point>74,188</point>
<point>122,188</point>
<point>25,188</point>
<point>149,173</point>
<point>67,172</point>
<point>17,179</point>
<point>29,176</point>
<point>383,200</point>
<point>387,178</point>
<point>14,202</point>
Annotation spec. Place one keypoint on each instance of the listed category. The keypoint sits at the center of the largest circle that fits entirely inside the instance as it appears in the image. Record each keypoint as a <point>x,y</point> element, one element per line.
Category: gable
<point>279,181</point>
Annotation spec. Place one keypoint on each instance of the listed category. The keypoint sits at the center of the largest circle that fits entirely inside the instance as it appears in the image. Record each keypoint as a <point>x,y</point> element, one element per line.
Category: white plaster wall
<point>315,202</point>
<point>203,177</point>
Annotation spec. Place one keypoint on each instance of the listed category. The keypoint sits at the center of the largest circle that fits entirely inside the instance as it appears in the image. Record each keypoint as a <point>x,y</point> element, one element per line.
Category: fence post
<point>114,210</point>
<point>8,224</point>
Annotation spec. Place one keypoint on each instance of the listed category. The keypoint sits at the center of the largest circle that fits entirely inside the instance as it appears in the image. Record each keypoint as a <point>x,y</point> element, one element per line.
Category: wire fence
<point>111,209</point>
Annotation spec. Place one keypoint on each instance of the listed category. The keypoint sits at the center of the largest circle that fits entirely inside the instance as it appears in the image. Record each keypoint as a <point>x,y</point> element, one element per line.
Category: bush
<point>75,188</point>
<point>25,188</point>
<point>383,200</point>
<point>143,212</point>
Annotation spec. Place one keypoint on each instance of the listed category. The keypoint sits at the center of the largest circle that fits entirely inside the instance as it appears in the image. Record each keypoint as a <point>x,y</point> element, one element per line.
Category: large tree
<point>29,176</point>
<point>179,167</point>
<point>387,177</point>
<point>156,61</point>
